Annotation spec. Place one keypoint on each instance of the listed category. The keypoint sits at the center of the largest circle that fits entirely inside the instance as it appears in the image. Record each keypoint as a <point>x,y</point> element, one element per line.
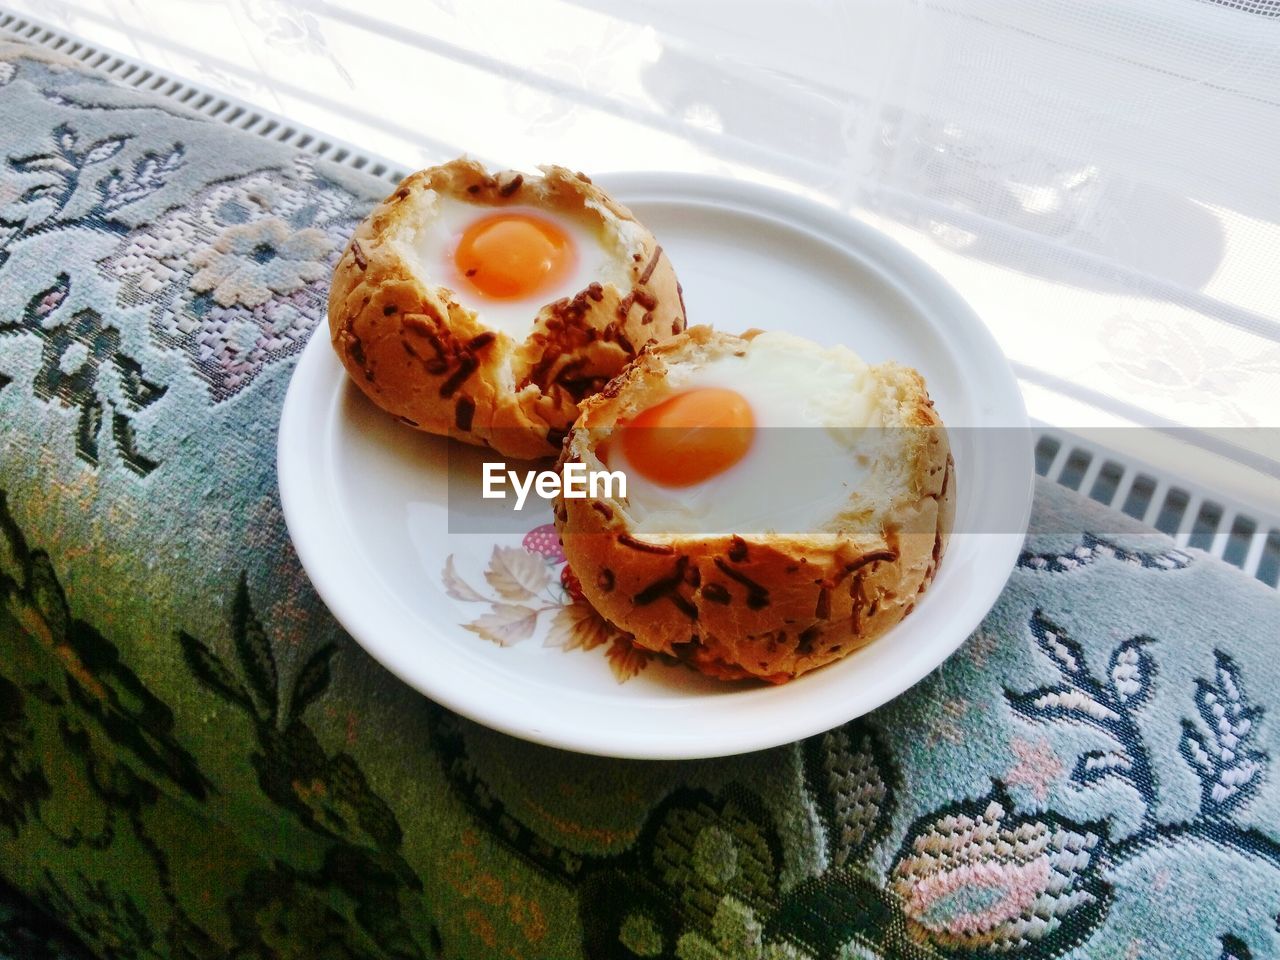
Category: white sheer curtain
<point>1100,179</point>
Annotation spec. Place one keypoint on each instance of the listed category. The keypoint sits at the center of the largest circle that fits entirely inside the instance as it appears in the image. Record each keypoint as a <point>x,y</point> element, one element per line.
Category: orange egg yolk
<point>508,256</point>
<point>690,437</point>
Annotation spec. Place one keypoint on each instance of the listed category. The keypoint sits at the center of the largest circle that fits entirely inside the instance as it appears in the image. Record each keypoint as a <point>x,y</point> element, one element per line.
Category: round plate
<point>366,501</point>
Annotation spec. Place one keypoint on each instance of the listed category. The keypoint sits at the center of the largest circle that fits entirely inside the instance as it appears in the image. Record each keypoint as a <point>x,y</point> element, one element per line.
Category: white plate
<point>365,498</point>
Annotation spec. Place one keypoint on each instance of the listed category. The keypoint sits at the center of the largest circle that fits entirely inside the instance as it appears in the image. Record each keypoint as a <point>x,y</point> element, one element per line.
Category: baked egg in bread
<point>486,306</point>
<point>785,502</point>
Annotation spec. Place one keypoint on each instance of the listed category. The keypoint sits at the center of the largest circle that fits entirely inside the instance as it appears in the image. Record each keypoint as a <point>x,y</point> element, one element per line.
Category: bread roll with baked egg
<point>786,503</point>
<point>485,306</point>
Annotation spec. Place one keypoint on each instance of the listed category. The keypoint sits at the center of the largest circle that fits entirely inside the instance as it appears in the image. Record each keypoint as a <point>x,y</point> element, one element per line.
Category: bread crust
<point>769,607</point>
<point>422,356</point>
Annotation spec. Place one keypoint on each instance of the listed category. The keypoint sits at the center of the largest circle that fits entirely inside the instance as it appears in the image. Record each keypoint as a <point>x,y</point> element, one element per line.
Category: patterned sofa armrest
<point>196,762</point>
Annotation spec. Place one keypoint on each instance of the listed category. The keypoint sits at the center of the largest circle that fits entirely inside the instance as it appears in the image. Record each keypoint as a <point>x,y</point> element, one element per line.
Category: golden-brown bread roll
<point>807,584</point>
<point>497,372</point>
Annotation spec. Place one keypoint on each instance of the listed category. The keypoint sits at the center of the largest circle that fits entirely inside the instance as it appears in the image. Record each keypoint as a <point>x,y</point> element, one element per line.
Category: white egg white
<point>811,407</point>
<point>596,259</point>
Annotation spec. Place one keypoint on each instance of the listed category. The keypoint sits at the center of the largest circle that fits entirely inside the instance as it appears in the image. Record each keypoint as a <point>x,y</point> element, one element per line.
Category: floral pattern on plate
<point>533,579</point>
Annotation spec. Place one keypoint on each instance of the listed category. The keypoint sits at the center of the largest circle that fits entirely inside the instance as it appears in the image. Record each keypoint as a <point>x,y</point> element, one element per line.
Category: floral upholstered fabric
<point>196,762</point>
